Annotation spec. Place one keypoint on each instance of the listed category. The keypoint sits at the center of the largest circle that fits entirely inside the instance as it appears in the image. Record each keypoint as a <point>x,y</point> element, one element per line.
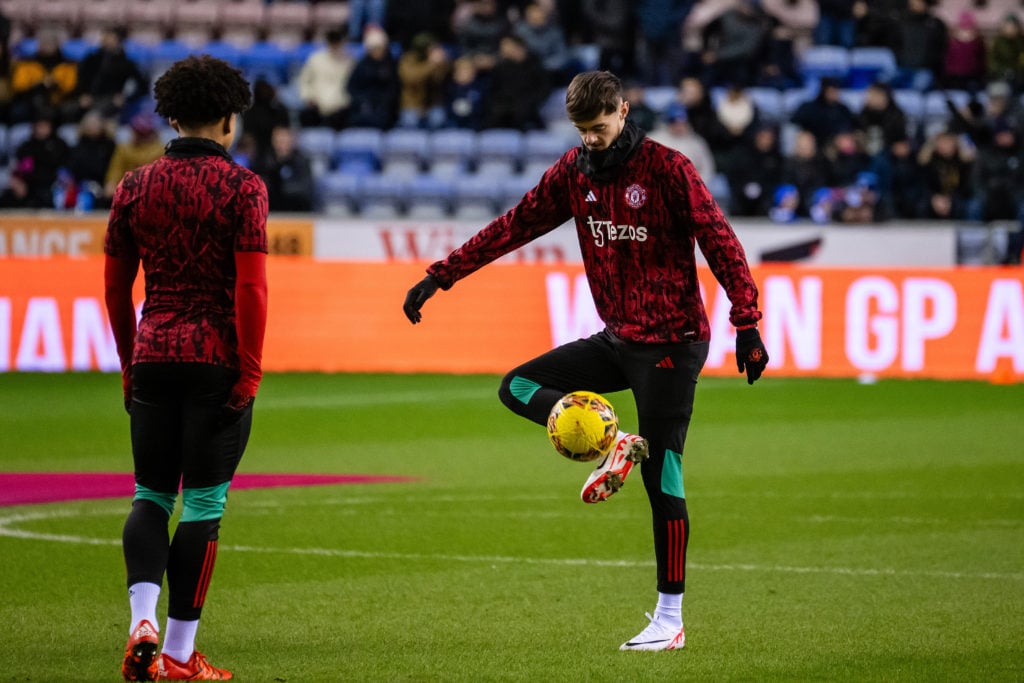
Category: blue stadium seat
<point>318,145</point>
<point>853,99</point>
<point>298,56</point>
<point>499,150</point>
<point>794,97</point>
<point>357,148</point>
<point>77,48</point>
<point>339,192</point>
<point>222,49</point>
<point>267,60</point>
<point>451,151</point>
<point>824,61</point>
<point>870,64</point>
<point>68,132</point>
<point>428,191</point>
<point>553,108</point>
<point>477,195</point>
<point>719,188</point>
<point>542,145</point>
<point>404,145</point>
<point>936,111</point>
<point>659,97</point>
<point>911,102</point>
<point>139,52</point>
<point>17,134</point>
<point>381,190</point>
<point>165,53</point>
<point>769,103</point>
<point>513,188</point>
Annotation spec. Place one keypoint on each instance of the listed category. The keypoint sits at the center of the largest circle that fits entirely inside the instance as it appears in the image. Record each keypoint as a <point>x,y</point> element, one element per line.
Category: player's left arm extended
<point>728,262</point>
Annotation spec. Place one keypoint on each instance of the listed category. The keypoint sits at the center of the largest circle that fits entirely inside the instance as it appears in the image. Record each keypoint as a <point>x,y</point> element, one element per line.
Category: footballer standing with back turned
<point>197,222</point>
<point>639,210</point>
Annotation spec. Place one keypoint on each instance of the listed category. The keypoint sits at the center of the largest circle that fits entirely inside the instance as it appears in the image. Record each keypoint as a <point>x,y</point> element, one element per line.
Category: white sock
<point>180,639</point>
<point>670,608</point>
<point>142,598</point>
<point>620,436</point>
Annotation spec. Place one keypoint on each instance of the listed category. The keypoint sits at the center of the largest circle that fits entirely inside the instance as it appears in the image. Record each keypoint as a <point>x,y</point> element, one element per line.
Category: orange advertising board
<point>333,316</point>
<point>52,233</point>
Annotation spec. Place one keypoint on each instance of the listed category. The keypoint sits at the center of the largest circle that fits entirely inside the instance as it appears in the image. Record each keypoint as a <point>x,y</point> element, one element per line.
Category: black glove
<point>750,353</point>
<point>234,410</point>
<point>417,296</point>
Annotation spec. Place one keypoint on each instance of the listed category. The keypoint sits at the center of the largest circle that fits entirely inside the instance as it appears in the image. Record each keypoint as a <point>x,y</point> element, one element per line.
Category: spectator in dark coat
<point>700,112</point>
<point>543,36</point>
<point>752,184</point>
<point>881,119</point>
<point>920,46</point>
<point>735,45</point>
<point>404,20</point>
<point>825,115</point>
<point>847,158</point>
<point>466,95</point>
<point>806,169</point>
<point>614,28</point>
<point>660,24</point>
<point>480,34</point>
<point>946,166</point>
<point>901,186</point>
<point>518,88</point>
<point>878,22</point>
<point>837,24</point>
<point>640,112</point>
<point>90,157</point>
<point>374,85</point>
<point>287,173</point>
<point>267,112</point>
<point>38,159</point>
<point>108,80</point>
<point>1006,55</point>
<point>999,178</point>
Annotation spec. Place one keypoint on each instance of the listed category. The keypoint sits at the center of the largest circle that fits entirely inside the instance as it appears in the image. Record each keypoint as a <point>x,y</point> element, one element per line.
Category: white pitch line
<point>6,531</point>
<point>362,400</point>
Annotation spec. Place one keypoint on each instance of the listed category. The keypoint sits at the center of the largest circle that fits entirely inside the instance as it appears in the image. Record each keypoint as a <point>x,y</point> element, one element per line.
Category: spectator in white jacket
<point>322,84</point>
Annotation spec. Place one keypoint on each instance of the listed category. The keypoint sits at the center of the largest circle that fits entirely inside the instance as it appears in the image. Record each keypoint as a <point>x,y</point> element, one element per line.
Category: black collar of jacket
<point>604,165</point>
<point>181,148</point>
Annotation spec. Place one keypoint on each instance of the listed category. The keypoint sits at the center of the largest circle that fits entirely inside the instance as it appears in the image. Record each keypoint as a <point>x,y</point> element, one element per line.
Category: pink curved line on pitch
<point>26,488</point>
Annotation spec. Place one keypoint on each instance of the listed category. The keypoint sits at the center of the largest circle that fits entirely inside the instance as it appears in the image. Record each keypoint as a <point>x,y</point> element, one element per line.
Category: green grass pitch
<point>840,532</point>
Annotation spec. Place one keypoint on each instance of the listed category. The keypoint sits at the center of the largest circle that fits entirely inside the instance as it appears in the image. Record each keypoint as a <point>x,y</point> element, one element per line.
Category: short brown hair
<point>592,94</point>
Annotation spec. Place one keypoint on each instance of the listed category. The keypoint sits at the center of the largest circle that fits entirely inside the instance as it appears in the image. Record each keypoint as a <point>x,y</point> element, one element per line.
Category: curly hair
<point>198,91</point>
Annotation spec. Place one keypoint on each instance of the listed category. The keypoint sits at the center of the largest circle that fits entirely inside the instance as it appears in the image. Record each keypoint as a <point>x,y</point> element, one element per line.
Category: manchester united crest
<point>636,196</point>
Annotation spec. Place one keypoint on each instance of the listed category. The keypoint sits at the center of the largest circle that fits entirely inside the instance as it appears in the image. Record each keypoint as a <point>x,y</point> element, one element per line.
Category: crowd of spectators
<point>494,63</point>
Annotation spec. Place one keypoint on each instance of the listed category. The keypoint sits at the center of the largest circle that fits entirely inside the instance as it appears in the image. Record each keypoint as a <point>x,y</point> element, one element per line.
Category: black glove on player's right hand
<point>417,296</point>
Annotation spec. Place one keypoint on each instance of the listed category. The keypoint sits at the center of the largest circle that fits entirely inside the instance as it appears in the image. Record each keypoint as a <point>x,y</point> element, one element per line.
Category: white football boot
<point>609,476</point>
<point>657,636</point>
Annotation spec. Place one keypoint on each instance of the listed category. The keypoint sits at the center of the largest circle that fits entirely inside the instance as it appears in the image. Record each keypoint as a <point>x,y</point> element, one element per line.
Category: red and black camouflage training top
<point>637,233</point>
<point>184,215</point>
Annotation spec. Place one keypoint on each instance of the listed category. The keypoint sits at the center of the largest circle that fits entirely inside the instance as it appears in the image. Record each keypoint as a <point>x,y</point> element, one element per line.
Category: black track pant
<point>180,437</point>
<point>663,378</point>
